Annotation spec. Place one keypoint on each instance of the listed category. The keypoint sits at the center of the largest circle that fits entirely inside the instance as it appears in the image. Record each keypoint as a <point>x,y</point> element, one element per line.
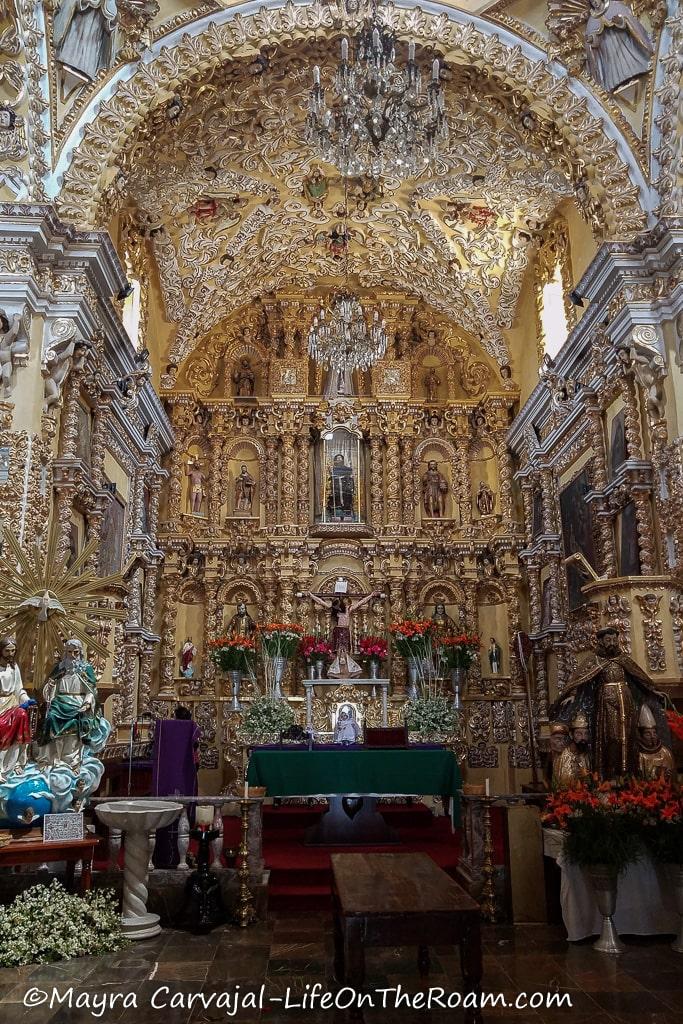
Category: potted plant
<point>374,648</point>
<point>315,652</point>
<point>279,641</point>
<point>458,653</point>
<point>602,836</point>
<point>234,656</point>
<point>415,640</point>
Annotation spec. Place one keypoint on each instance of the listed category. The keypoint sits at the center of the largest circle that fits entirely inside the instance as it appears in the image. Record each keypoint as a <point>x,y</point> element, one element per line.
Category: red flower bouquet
<point>314,648</point>
<point>232,654</point>
<point>460,651</point>
<point>373,647</point>
<point>675,723</point>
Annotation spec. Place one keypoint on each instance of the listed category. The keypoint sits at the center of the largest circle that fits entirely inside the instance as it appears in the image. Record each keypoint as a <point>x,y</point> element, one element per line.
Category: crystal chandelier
<point>346,341</point>
<point>384,122</point>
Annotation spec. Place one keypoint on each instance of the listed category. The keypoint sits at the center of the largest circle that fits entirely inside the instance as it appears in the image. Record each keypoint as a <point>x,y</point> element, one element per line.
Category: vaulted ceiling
<point>235,203</point>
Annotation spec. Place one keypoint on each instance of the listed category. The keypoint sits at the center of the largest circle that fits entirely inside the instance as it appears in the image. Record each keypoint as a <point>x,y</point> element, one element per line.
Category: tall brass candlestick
<point>245,911</point>
<point>488,892</point>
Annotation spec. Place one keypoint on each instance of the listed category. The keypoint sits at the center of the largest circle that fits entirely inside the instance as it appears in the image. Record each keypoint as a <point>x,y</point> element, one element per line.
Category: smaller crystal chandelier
<point>384,122</point>
<point>345,341</point>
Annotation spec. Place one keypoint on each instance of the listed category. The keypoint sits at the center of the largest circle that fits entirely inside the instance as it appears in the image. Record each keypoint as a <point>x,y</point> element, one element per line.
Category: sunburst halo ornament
<point>44,601</point>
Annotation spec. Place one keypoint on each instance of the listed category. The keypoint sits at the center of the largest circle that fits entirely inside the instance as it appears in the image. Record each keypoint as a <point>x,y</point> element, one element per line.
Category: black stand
<point>204,908</point>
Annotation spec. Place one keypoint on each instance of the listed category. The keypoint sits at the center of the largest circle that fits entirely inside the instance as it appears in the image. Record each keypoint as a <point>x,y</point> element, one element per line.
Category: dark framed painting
<point>629,557</point>
<point>617,443</point>
<point>111,540</point>
<point>577,534</point>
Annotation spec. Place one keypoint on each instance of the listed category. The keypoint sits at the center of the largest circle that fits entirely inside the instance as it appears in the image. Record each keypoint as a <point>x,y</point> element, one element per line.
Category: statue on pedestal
<point>244,379</point>
<point>654,759</point>
<point>187,656</point>
<point>73,718</point>
<point>241,624</point>
<point>610,689</point>
<point>434,491</point>
<point>495,657</point>
<point>15,726</point>
<point>196,493</point>
<point>486,499</point>
<point>244,491</point>
<point>341,489</point>
<point>432,383</point>
<point>573,763</point>
<point>559,739</point>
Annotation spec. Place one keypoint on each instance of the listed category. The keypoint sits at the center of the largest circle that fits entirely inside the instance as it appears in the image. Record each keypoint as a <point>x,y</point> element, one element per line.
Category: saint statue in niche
<point>486,499</point>
<point>339,382</point>
<point>196,493</point>
<point>432,383</point>
<point>187,655</point>
<point>618,49</point>
<point>442,622</point>
<point>495,657</point>
<point>241,624</point>
<point>244,491</point>
<point>434,491</point>
<point>84,35</point>
<point>244,379</point>
<point>341,489</point>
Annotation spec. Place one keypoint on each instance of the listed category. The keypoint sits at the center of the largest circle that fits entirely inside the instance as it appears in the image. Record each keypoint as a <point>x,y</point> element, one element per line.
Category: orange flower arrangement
<point>232,653</point>
<point>413,638</point>
<point>675,723</point>
<point>460,651</point>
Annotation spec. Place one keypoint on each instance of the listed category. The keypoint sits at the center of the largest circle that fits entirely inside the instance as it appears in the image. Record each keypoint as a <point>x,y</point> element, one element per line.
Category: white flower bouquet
<point>46,923</point>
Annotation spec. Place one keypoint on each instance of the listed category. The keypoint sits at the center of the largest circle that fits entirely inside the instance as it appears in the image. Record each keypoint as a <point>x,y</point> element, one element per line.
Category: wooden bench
<point>38,852</point>
<point>402,899</point>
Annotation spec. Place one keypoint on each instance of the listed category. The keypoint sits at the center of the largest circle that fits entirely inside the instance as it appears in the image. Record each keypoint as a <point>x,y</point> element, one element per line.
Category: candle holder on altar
<point>488,893</point>
<point>245,908</point>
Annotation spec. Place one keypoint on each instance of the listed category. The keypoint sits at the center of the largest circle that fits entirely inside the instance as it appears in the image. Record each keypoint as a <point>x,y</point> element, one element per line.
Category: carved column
<point>462,449</point>
<point>65,485</point>
<point>641,496</point>
<point>376,482</point>
<point>216,476</point>
<point>507,507</point>
<point>303,502</point>
<point>270,489</point>
<point>169,618</point>
<point>601,478</point>
<point>408,480</point>
<point>393,480</point>
<point>211,630</point>
<point>288,490</point>
<point>528,502</point>
<point>397,611</point>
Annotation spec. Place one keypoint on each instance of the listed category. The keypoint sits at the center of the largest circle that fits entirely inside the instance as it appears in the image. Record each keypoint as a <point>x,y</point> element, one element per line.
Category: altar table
<point>353,772</point>
<point>644,899</point>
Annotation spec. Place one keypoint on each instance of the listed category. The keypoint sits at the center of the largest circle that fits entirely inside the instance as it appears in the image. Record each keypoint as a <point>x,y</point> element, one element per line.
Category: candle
<point>246,790</point>
<point>488,788</point>
<point>316,75</point>
<point>345,49</point>
<point>435,71</point>
<point>411,51</point>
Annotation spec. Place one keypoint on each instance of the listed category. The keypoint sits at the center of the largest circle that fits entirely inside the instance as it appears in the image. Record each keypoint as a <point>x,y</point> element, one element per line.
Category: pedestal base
<point>144,927</point>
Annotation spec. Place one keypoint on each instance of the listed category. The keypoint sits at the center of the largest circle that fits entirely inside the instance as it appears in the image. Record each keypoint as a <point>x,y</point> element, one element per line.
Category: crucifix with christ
<point>341,605</point>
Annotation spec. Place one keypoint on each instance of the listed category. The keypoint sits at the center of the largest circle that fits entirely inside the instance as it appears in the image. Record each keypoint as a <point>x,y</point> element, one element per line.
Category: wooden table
<point>38,852</point>
<point>402,899</point>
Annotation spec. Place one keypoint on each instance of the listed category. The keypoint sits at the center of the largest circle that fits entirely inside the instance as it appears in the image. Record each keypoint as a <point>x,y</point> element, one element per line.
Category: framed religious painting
<point>111,538</point>
<point>577,534</point>
<point>629,557</point>
<point>617,442</point>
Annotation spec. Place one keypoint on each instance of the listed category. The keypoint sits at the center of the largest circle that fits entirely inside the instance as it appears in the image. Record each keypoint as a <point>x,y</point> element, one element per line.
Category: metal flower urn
<point>235,677</point>
<point>604,880</point>
<point>413,677</point>
<point>279,669</point>
<point>458,676</point>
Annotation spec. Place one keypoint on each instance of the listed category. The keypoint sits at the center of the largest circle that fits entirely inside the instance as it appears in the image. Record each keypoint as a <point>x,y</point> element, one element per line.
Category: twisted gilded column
<point>393,481</point>
<point>216,488</point>
<point>462,451</point>
<point>506,502</point>
<point>601,478</point>
<point>303,500</point>
<point>270,489</point>
<point>288,504</point>
<point>376,482</point>
<point>408,480</point>
<point>169,616</point>
<point>65,484</point>
<point>641,497</point>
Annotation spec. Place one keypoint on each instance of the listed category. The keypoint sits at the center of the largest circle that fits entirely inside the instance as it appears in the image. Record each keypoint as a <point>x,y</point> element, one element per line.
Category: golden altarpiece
<point>285,478</point>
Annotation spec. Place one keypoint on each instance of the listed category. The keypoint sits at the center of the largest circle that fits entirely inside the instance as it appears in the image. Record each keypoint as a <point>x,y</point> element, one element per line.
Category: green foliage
<point>593,839</point>
<point>46,923</point>
<point>267,717</point>
<point>430,716</point>
<point>664,842</point>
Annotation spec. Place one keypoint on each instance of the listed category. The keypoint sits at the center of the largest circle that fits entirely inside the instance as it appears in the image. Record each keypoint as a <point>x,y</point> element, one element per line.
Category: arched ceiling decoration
<point>222,188</point>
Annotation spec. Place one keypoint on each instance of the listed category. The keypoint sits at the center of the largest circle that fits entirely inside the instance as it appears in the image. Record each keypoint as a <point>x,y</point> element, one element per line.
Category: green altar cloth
<point>359,772</point>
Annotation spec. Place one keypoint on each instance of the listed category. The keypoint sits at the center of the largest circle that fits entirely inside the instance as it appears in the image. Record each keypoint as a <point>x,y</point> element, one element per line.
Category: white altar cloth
<point>644,897</point>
